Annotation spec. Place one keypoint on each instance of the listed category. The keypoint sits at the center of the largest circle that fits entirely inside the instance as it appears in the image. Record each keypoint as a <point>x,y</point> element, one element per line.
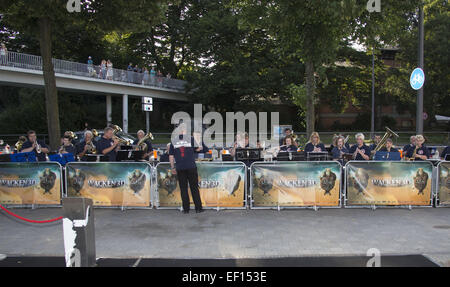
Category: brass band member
<point>388,147</point>
<point>340,149</point>
<point>360,150</point>
<point>445,152</point>
<point>67,146</point>
<point>199,145</point>
<point>412,144</point>
<point>288,133</point>
<point>376,141</point>
<point>148,151</point>
<point>314,144</point>
<point>288,145</point>
<point>107,145</point>
<point>86,146</point>
<point>420,151</point>
<point>242,141</point>
<point>34,145</point>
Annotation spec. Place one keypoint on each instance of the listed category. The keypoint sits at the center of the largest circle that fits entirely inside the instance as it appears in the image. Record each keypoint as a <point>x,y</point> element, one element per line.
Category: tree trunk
<point>51,93</point>
<point>310,91</point>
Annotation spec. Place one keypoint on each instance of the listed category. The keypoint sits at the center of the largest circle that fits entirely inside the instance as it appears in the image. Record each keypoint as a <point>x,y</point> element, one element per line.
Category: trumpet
<point>38,147</point>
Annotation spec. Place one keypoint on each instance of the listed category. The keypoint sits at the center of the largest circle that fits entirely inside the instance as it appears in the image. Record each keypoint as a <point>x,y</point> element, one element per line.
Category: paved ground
<point>241,234</point>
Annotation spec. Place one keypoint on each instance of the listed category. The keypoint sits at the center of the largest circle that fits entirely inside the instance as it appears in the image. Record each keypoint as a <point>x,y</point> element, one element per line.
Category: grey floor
<point>241,234</point>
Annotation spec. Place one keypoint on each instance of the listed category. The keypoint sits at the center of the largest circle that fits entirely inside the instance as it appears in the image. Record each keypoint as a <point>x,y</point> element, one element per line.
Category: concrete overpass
<point>26,71</point>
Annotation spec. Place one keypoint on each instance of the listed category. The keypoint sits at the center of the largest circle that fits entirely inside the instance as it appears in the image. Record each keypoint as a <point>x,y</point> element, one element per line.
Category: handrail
<point>33,62</point>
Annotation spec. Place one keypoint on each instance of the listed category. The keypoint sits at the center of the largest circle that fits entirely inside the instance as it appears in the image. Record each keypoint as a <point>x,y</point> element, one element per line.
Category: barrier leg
<point>79,232</point>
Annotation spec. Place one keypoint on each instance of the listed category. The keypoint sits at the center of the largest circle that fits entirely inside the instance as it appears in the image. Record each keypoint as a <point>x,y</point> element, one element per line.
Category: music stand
<point>387,156</point>
<point>253,154</point>
<point>347,157</point>
<point>291,156</point>
<point>129,155</point>
<point>317,156</point>
<point>227,157</point>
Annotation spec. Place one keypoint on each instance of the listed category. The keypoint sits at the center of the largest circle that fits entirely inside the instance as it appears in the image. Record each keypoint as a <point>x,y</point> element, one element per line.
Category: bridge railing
<point>33,62</point>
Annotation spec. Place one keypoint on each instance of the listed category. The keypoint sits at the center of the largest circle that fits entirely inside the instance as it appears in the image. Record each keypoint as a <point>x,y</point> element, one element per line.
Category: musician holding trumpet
<point>87,146</point>
<point>360,150</point>
<point>107,145</point>
<point>419,151</point>
<point>340,149</point>
<point>34,145</point>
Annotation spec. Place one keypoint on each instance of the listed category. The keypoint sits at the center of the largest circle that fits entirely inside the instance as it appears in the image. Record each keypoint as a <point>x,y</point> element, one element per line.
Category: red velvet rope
<point>29,220</point>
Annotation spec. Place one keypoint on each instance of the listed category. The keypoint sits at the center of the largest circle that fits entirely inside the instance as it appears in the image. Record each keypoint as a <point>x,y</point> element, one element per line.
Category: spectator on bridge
<point>166,80</point>
<point>159,78</point>
<point>152,76</point>
<point>91,69</point>
<point>3,54</point>
<point>146,77</point>
<point>136,71</point>
<point>130,72</point>
<point>102,70</point>
<point>109,71</point>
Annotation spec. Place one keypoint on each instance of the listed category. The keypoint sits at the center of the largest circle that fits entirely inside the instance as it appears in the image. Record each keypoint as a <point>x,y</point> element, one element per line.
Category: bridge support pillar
<point>108,110</point>
<point>125,113</point>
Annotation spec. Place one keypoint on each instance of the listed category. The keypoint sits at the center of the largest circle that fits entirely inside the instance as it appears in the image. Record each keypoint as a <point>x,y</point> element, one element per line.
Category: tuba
<point>20,143</point>
<point>123,138</point>
<point>389,133</point>
<point>142,145</point>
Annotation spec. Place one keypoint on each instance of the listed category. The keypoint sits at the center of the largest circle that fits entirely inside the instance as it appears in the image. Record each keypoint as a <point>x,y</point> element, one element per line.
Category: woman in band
<point>389,147</point>
<point>288,145</point>
<point>339,150</point>
<point>360,150</point>
<point>87,146</point>
<point>314,144</point>
<point>420,151</point>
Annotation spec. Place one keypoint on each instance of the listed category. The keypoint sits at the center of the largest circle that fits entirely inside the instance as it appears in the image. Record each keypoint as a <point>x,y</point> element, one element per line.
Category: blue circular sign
<point>417,79</point>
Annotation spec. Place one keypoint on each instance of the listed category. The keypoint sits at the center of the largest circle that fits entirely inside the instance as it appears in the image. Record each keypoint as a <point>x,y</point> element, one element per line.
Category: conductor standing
<point>182,162</point>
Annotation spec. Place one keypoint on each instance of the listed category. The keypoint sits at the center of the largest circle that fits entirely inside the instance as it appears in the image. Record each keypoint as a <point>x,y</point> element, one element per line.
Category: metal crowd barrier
<point>216,178</point>
<point>298,193</point>
<point>359,183</point>
<point>20,184</point>
<point>443,184</point>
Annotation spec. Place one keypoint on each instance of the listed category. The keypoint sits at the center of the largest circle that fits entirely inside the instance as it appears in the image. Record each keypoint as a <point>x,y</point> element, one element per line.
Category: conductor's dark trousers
<point>190,176</point>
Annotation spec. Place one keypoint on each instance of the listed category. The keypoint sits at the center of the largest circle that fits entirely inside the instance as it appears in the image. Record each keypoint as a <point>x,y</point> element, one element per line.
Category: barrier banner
<point>444,183</point>
<point>110,184</point>
<point>389,183</point>
<point>296,184</point>
<point>30,183</point>
<point>220,185</point>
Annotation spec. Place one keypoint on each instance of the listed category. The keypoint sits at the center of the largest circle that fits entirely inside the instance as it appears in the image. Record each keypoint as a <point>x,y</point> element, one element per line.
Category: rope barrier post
<point>79,232</point>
